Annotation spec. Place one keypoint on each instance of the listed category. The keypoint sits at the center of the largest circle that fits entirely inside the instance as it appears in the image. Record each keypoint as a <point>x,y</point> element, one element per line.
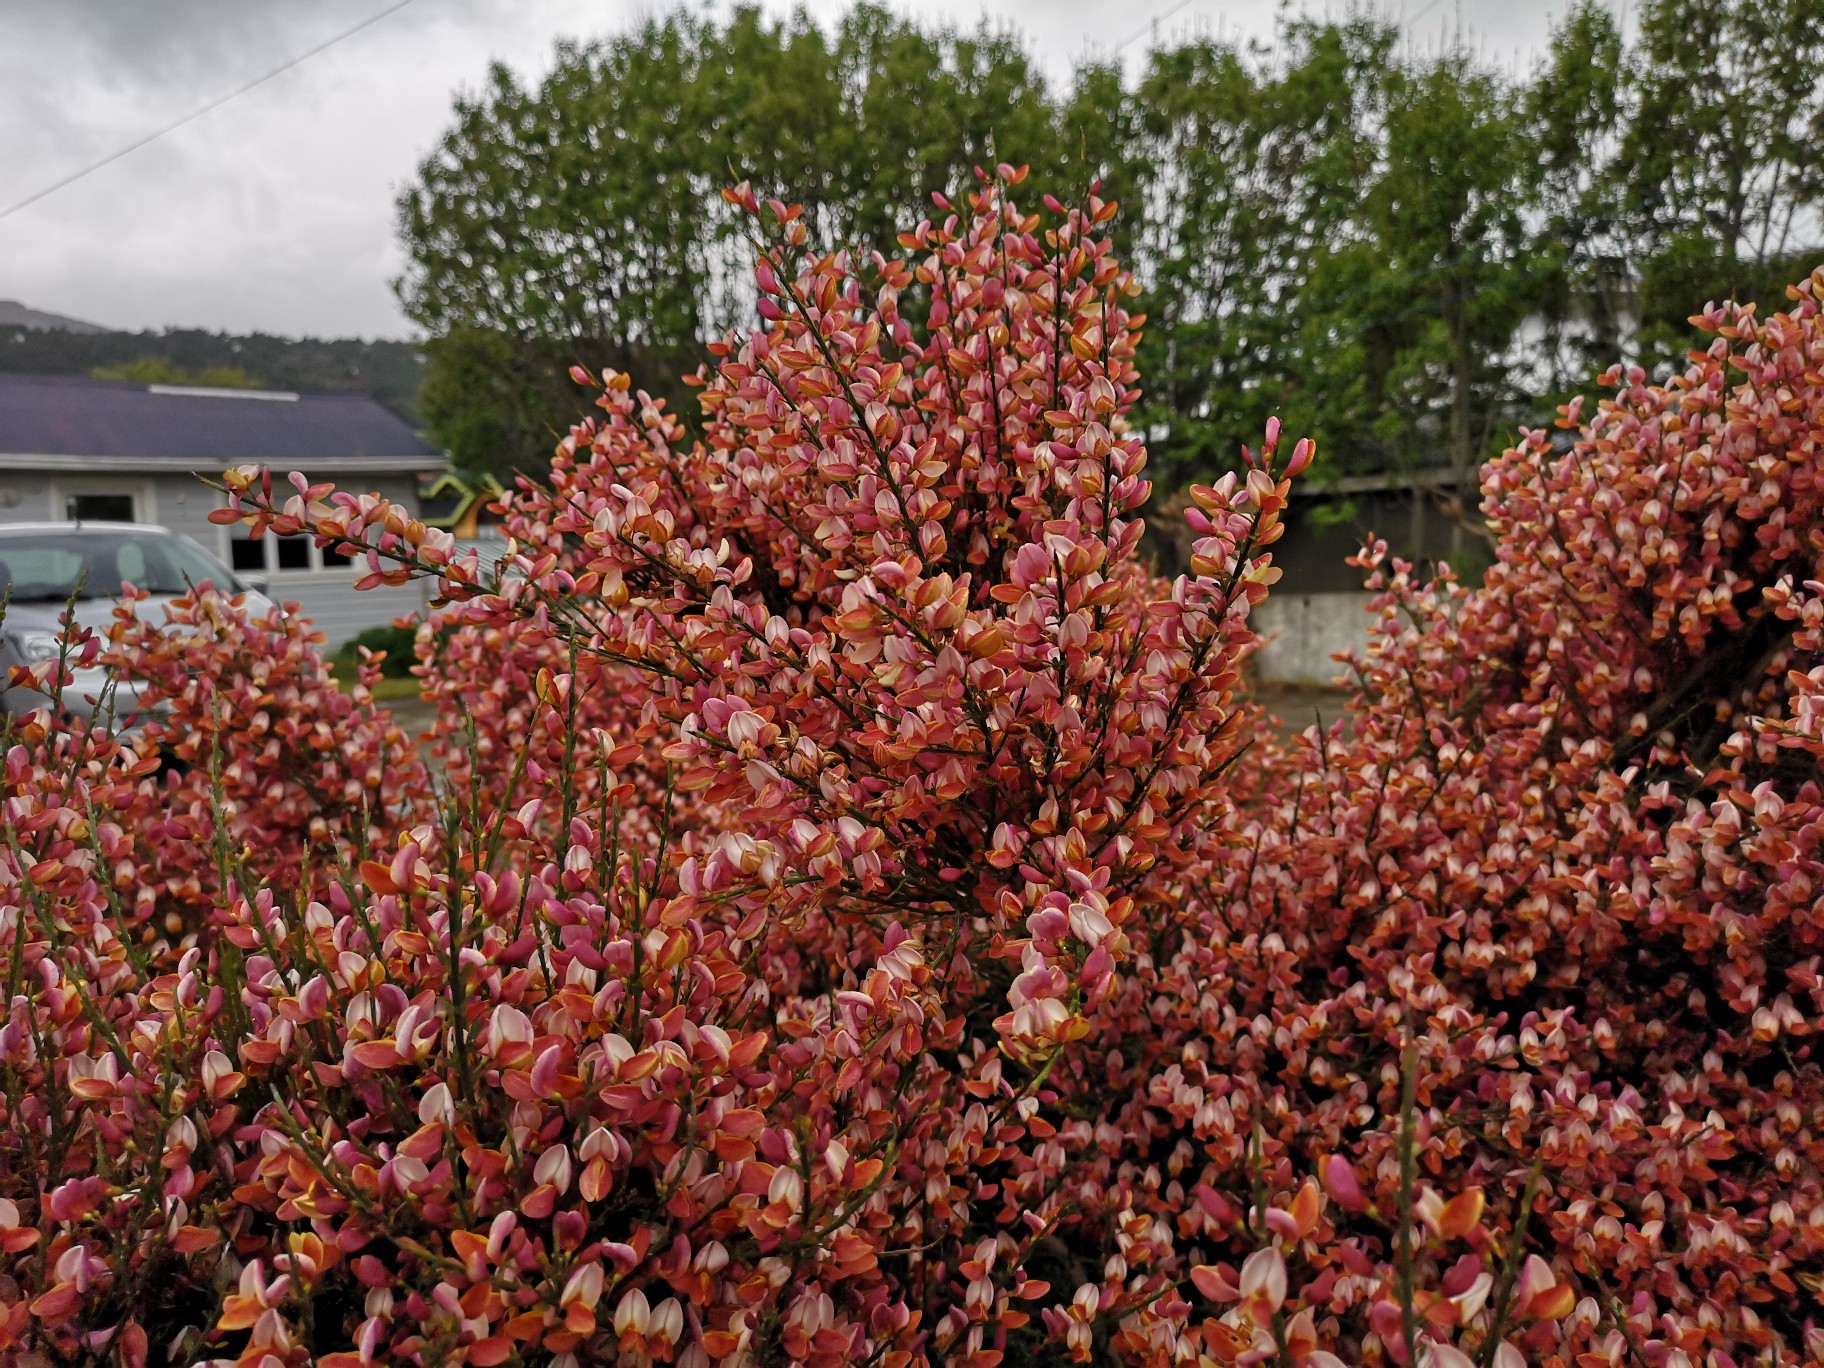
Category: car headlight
<point>36,646</point>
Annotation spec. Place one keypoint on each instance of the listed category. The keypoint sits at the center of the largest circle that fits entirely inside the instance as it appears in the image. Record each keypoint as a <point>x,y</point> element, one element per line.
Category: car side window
<point>40,570</point>
<point>130,563</point>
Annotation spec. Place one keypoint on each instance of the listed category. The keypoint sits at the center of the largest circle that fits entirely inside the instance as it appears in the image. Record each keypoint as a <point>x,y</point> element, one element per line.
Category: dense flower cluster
<point>859,922</point>
<point>1539,927</point>
<point>250,769</point>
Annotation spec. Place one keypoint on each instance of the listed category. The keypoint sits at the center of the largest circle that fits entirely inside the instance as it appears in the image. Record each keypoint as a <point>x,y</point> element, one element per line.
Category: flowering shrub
<point>860,923</point>
<point>278,766</point>
<point>250,769</point>
<point>1531,944</point>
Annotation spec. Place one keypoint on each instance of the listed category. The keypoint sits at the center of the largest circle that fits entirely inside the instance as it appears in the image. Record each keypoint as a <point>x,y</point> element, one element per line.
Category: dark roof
<point>60,415</point>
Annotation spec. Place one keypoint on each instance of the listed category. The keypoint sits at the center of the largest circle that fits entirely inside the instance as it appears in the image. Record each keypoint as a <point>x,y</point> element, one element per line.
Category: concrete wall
<point>1323,531</point>
<point>1304,630</point>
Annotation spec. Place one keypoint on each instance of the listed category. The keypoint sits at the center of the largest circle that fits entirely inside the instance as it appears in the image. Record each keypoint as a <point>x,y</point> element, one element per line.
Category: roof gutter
<point>60,464</point>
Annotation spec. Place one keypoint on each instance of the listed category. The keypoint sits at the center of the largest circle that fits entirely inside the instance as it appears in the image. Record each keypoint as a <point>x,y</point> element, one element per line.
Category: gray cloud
<point>275,211</point>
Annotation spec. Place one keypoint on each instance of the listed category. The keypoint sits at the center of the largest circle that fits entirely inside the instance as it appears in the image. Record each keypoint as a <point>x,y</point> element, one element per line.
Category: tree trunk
<point>1462,440</point>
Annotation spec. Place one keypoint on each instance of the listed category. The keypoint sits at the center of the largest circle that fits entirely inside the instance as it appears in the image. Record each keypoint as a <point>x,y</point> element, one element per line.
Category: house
<point>125,451</point>
<point>461,507</point>
<point>1319,609</point>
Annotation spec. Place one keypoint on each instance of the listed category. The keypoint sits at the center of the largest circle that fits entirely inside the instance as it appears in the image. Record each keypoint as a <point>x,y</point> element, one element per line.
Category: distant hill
<point>13,314</point>
<point>391,371</point>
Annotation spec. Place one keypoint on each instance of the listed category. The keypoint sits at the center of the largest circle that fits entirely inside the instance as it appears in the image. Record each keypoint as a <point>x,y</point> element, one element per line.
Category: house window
<point>273,554</point>
<point>246,554</point>
<point>276,555</point>
<point>101,508</point>
<point>82,498</point>
<point>291,553</point>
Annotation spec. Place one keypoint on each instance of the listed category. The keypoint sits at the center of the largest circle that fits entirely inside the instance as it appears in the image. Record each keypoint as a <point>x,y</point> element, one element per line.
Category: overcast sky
<point>275,212</point>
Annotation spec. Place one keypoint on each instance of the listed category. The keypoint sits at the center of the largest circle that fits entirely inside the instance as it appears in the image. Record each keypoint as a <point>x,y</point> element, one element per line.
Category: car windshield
<point>39,567</point>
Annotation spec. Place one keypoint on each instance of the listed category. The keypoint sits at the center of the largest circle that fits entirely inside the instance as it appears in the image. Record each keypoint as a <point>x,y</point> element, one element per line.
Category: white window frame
<point>225,540</point>
<point>144,494</point>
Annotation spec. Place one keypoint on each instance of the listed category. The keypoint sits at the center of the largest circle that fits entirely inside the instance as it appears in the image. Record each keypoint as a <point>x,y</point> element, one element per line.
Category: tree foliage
<point>1688,163</point>
<point>582,223</point>
<point>155,370</point>
<point>1396,250</point>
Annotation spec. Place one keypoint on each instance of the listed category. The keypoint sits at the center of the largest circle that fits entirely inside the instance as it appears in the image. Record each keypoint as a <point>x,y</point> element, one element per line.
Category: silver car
<point>44,565</point>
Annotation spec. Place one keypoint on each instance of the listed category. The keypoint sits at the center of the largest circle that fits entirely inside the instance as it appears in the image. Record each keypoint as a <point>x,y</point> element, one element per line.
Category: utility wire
<point>1148,27</point>
<point>1421,14</point>
<point>198,113</point>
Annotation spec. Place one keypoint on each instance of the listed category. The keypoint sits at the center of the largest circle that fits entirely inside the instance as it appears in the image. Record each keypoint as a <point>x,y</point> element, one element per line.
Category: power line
<point>198,113</point>
<point>1150,26</point>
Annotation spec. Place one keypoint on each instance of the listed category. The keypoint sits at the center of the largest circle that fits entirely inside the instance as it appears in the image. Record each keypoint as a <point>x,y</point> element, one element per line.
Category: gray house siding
<point>179,502</point>
<point>338,610</point>
<point>183,503</point>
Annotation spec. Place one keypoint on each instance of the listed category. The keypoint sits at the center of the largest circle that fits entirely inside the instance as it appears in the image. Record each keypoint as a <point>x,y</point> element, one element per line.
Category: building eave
<point>62,464</point>
<point>1374,484</point>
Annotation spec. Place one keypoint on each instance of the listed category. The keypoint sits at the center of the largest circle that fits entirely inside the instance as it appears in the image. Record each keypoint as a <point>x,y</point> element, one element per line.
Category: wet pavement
<point>414,714</point>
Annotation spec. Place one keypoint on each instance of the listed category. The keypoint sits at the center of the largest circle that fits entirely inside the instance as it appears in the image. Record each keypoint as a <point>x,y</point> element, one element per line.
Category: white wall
<point>1304,630</point>
<point>24,497</point>
<point>330,600</point>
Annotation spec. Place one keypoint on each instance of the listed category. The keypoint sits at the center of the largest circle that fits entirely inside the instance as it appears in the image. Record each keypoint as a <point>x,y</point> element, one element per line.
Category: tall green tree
<point>581,222</point>
<point>1337,234</point>
<point>1250,169</point>
<point>564,225</point>
<point>1402,254</point>
<point>1575,107</point>
<point>1722,167</point>
<point>1448,216</point>
<point>927,108</point>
